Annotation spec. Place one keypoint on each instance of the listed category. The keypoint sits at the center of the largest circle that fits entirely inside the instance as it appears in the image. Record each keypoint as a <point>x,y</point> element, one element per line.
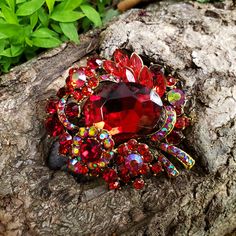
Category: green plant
<point>27,26</point>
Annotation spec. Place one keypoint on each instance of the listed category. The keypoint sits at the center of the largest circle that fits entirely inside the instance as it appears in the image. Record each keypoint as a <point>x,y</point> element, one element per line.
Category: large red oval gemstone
<point>126,110</point>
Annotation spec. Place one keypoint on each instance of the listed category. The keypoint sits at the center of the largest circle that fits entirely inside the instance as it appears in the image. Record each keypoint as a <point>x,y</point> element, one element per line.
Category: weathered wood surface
<point>196,41</point>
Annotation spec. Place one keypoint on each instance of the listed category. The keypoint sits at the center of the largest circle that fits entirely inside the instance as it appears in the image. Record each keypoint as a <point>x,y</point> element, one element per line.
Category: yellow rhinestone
<point>75,151</point>
<point>102,164</point>
<point>83,132</point>
<point>93,131</point>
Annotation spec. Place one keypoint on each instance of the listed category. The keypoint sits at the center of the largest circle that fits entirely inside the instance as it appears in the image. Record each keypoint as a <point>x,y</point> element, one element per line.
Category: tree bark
<point>195,41</point>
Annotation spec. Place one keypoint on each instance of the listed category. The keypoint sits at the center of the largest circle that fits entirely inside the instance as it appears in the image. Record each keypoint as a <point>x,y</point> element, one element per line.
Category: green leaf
<point>56,28</point>
<point>50,5</point>
<point>28,8</point>
<point>10,29</point>
<point>6,52</point>
<point>2,36</point>
<point>20,1</point>
<point>34,19</point>
<point>16,50</point>
<point>46,42</point>
<point>43,17</point>
<point>69,5</point>
<point>11,4</point>
<point>9,15</point>
<point>29,42</point>
<point>70,30</point>
<point>66,16</point>
<point>91,14</point>
<point>44,33</point>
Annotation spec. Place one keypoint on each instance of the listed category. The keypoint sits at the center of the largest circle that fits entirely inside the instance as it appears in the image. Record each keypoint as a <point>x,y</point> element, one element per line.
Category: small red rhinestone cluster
<point>106,106</point>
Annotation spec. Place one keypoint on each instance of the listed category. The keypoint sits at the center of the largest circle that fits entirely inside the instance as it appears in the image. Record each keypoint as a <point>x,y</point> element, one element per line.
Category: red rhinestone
<point>77,95</point>
<point>127,75</point>
<point>72,110</point>
<point>143,148</point>
<point>144,169</point>
<point>90,150</point>
<point>120,159</point>
<point>145,77</point>
<point>93,82</point>
<point>110,67</point>
<point>114,185</point>
<point>179,110</point>
<point>65,138</point>
<point>121,57</point>
<point>96,172</point>
<point>94,63</point>
<point>65,149</point>
<point>123,170</point>
<point>175,137</point>
<point>87,71</point>
<point>51,107</point>
<point>132,144</point>
<point>53,126</point>
<point>125,178</point>
<point>160,84</point>
<point>110,175</point>
<point>138,184</point>
<point>136,64</point>
<point>61,92</point>
<point>124,109</point>
<point>80,169</point>
<point>123,149</point>
<point>86,91</point>
<point>147,157</point>
<point>170,81</point>
<point>182,122</point>
<point>156,168</point>
<point>72,71</point>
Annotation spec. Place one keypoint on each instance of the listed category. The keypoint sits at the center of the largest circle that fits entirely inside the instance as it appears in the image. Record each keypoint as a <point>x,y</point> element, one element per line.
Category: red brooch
<point>107,110</point>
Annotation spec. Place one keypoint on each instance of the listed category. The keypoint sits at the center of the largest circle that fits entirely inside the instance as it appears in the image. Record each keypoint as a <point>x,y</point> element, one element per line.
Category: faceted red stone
<point>131,144</point>
<point>126,110</point>
<point>123,149</point>
<point>77,95</point>
<point>179,111</point>
<point>87,71</point>
<point>170,81</point>
<point>51,107</point>
<point>144,169</point>
<point>80,169</point>
<point>182,122</point>
<point>143,148</point>
<point>160,84</point>
<point>175,137</point>
<point>121,58</point>
<point>94,63</point>
<point>110,175</point>
<point>86,91</point>
<point>120,159</point>
<point>90,150</point>
<point>145,77</point>
<point>53,126</point>
<point>127,75</point>
<point>65,138</point>
<point>72,110</point>
<point>147,157</point>
<point>156,168</point>
<point>138,184</point>
<point>110,67</point>
<point>136,64</point>
<point>65,148</point>
<point>93,82</point>
<point>114,185</point>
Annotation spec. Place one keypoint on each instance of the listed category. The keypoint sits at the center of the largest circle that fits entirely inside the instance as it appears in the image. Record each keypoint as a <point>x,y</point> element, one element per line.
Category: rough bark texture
<point>198,42</point>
